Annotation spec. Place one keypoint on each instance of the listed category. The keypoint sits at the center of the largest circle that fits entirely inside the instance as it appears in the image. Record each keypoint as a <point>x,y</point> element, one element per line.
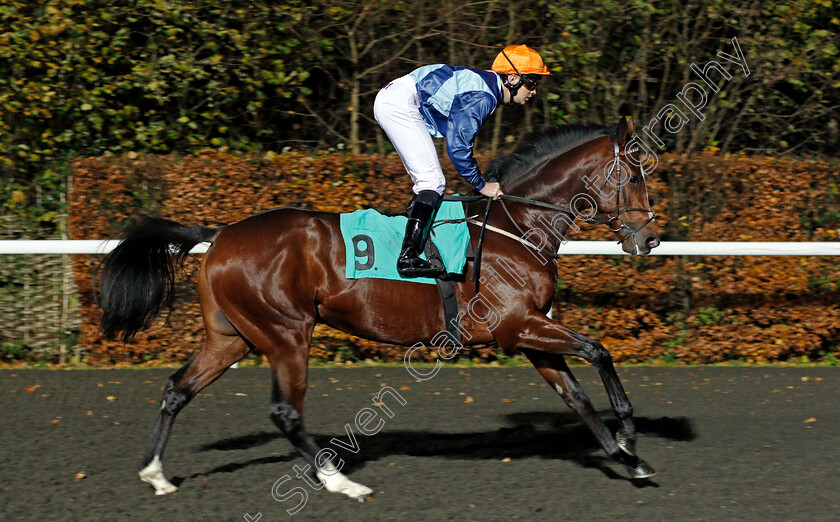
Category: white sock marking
<point>153,474</point>
<point>336,482</point>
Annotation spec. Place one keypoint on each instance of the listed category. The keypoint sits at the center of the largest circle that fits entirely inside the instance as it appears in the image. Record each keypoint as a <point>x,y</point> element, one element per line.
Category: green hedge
<point>90,78</point>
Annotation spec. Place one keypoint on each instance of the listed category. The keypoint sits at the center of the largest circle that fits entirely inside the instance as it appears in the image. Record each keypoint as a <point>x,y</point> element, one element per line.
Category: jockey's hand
<point>491,190</point>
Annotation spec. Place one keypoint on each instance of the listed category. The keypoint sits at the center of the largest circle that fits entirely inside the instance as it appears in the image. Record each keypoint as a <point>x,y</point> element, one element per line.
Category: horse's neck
<point>558,189</point>
<point>557,180</point>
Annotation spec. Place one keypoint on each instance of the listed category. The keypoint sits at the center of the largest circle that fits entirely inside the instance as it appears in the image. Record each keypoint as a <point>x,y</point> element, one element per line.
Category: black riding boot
<point>421,212</point>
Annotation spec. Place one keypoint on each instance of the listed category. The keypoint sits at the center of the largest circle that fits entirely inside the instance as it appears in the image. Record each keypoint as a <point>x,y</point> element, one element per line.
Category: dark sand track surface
<point>729,443</point>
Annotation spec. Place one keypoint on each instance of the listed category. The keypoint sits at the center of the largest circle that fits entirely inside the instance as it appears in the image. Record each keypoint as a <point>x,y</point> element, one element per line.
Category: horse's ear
<point>621,133</point>
<point>624,130</point>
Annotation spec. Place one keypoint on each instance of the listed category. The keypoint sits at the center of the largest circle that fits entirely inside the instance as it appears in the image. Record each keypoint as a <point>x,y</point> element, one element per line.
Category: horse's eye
<point>634,179</point>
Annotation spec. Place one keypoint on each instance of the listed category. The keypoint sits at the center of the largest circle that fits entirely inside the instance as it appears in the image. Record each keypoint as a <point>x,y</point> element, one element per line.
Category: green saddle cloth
<point>373,242</point>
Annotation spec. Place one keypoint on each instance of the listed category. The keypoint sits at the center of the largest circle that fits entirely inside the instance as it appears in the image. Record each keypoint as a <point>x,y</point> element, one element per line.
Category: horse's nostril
<point>652,242</point>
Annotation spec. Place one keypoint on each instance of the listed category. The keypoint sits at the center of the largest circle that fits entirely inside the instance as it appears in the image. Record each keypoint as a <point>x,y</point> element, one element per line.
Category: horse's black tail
<point>137,279</point>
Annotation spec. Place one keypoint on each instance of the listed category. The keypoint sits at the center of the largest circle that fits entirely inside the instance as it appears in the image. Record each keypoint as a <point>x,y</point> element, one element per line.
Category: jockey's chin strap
<point>620,195</point>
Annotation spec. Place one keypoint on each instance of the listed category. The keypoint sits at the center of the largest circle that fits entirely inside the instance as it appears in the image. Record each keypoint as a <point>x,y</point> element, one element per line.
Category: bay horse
<point>268,279</point>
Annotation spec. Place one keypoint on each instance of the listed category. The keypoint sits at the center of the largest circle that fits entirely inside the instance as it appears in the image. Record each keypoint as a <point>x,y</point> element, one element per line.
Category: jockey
<point>452,102</point>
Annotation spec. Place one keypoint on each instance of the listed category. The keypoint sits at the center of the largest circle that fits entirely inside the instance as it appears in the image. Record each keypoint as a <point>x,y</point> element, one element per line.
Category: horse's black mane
<point>538,145</point>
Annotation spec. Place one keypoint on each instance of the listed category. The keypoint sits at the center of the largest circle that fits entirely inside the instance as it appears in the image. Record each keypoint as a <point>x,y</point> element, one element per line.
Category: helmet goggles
<point>530,81</point>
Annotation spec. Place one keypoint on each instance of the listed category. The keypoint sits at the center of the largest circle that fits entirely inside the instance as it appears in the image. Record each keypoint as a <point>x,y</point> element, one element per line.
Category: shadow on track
<point>543,434</point>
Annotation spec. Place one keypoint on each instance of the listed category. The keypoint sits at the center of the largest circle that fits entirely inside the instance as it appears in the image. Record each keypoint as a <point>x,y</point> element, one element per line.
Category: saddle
<point>372,244</point>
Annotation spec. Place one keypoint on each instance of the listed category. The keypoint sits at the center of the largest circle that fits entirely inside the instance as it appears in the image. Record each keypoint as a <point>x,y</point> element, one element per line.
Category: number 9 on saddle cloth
<point>373,242</point>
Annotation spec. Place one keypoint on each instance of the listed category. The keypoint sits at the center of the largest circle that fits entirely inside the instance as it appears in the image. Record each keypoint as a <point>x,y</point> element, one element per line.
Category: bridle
<point>621,194</point>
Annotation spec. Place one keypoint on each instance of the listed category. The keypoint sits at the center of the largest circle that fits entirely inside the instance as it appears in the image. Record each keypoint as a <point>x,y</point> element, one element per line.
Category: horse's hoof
<point>641,471</point>
<point>166,490</point>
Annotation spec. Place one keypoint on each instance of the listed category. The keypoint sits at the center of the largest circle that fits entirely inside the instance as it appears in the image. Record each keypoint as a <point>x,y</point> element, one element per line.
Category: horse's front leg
<point>545,342</point>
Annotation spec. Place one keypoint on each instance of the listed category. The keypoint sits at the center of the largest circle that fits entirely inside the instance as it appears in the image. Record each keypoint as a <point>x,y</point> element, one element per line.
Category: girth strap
<point>447,294</point>
<point>476,271</point>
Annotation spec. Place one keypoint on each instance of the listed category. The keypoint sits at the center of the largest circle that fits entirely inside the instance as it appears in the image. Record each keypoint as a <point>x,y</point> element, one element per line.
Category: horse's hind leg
<point>556,372</point>
<point>288,353</point>
<point>219,352</point>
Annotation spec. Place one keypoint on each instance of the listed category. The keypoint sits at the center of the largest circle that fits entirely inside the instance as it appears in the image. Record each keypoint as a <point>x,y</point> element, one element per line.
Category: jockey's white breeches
<point>397,110</point>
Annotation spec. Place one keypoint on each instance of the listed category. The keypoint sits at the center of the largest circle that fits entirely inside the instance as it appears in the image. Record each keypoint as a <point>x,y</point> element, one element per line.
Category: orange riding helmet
<point>520,60</point>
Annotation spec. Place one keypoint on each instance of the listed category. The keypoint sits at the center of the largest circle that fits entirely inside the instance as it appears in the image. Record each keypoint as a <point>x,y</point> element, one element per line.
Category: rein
<point>620,194</point>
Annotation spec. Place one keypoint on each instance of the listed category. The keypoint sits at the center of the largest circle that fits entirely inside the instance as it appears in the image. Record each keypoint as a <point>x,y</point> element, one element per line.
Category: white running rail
<point>667,248</point>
